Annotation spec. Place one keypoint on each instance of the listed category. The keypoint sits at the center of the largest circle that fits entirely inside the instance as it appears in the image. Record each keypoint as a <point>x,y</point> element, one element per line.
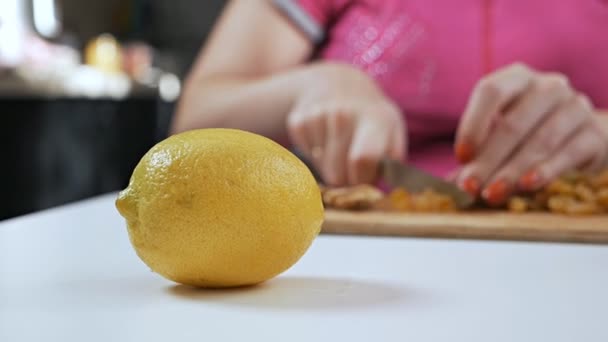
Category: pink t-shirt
<point>428,54</point>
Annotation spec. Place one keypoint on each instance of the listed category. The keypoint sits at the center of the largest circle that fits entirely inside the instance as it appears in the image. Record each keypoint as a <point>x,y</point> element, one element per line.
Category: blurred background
<point>86,88</point>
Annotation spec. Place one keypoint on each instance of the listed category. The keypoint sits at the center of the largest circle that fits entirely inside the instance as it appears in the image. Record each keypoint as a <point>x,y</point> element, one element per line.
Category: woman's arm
<point>247,76</point>
<point>252,76</point>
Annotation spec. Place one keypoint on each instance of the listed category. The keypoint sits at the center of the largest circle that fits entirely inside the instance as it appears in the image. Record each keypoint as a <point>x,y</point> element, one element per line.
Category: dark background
<point>176,28</point>
<point>58,150</point>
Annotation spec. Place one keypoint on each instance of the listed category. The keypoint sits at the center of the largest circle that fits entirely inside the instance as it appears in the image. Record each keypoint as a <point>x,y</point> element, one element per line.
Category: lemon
<point>220,208</point>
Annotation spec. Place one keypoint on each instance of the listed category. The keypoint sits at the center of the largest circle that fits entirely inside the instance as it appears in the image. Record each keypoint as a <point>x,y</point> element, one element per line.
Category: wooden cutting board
<point>479,225</point>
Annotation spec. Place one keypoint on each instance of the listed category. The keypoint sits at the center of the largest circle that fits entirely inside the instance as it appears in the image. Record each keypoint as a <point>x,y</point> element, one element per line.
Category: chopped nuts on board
<point>572,194</point>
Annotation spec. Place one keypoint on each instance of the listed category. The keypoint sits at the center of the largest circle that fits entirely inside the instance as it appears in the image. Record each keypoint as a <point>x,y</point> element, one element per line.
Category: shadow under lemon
<point>305,293</point>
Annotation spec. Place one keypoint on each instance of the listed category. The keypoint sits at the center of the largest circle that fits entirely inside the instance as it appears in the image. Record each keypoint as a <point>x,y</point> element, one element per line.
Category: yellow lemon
<point>221,208</point>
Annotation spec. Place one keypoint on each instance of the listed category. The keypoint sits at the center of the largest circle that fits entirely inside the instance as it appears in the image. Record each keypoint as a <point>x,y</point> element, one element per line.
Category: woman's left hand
<point>521,129</point>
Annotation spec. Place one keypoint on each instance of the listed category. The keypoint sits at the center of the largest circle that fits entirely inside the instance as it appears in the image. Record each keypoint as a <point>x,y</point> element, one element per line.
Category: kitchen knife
<point>397,174</point>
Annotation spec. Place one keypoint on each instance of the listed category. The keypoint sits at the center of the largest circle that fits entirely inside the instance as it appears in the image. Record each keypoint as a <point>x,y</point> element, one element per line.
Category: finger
<point>599,163</point>
<point>453,175</point>
<point>491,95</point>
<point>297,132</point>
<point>600,160</point>
<point>512,129</point>
<point>397,149</point>
<point>369,145</point>
<point>578,150</point>
<point>546,141</point>
<point>339,135</point>
<point>316,132</point>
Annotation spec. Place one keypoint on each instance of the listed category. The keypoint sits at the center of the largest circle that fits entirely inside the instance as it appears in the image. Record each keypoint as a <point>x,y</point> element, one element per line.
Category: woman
<point>511,89</point>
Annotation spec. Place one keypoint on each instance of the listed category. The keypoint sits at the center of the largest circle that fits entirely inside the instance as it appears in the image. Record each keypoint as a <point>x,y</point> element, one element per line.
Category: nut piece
<point>560,187</point>
<point>519,204</point>
<point>601,180</point>
<point>400,200</point>
<point>584,193</point>
<point>431,201</point>
<point>571,206</point>
<point>540,201</point>
<point>582,208</point>
<point>358,197</point>
<point>602,198</point>
<point>576,194</point>
<point>559,203</point>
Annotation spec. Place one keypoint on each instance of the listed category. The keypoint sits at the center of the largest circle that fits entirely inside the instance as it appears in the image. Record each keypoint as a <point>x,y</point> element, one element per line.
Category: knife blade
<point>397,174</point>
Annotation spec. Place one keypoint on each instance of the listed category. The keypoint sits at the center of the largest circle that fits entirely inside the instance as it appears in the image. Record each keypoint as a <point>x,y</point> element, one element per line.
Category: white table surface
<point>70,274</point>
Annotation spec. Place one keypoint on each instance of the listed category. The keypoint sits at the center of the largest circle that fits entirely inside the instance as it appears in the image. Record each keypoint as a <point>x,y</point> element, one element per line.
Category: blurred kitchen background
<point>86,88</point>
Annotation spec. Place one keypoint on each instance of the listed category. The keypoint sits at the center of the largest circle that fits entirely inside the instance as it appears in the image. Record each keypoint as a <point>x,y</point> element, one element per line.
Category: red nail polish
<point>530,180</point>
<point>471,185</point>
<point>496,193</point>
<point>464,152</point>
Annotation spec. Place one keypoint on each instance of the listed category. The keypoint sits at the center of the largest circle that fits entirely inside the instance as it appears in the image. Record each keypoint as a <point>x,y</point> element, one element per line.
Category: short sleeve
<point>311,16</point>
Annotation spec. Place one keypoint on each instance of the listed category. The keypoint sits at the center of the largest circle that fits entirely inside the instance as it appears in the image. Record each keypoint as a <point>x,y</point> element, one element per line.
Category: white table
<point>70,274</point>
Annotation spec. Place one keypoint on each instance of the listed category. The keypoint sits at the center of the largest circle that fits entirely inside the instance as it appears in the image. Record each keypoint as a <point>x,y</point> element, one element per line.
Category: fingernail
<point>471,185</point>
<point>530,180</point>
<point>464,152</point>
<point>496,193</point>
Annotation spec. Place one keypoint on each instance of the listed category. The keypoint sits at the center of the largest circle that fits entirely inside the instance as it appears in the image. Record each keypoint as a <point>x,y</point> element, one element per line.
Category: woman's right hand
<point>345,125</point>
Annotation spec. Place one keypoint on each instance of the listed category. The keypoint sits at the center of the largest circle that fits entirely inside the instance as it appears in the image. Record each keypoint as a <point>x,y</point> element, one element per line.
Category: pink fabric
<point>428,54</point>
